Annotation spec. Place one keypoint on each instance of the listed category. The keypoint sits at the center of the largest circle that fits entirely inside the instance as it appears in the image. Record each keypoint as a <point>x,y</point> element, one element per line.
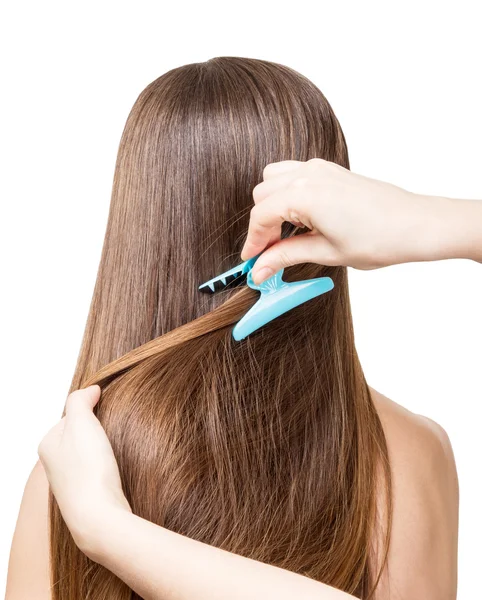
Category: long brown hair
<point>270,447</point>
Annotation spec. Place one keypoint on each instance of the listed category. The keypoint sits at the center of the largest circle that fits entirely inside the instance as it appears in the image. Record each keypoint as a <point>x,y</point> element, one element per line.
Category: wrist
<point>420,229</point>
<point>468,229</point>
<point>93,535</point>
<point>457,229</point>
<point>436,234</point>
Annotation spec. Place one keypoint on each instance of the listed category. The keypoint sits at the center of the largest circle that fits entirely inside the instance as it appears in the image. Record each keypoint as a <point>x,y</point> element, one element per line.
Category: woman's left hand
<point>81,467</point>
<point>152,560</point>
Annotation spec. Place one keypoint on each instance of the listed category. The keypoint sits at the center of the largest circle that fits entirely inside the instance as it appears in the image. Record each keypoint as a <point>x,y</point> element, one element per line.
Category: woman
<point>272,449</point>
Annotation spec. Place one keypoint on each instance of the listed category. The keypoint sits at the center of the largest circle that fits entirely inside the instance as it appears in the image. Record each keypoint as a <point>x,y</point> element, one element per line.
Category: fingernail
<point>262,274</point>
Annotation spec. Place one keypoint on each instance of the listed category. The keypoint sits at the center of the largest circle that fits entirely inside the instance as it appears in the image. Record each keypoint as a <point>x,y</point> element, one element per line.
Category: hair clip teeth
<point>232,277</point>
<point>277,296</point>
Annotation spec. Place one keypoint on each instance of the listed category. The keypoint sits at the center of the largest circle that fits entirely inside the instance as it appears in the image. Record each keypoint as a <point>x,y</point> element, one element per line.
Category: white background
<point>404,79</point>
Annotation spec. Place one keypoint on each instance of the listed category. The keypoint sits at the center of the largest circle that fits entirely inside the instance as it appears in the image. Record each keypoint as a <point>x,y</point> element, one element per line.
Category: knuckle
<point>293,216</point>
<point>315,162</point>
<point>255,225</point>
<point>320,165</point>
<point>257,192</point>
<point>299,183</point>
<point>253,214</point>
<point>268,169</point>
<point>284,258</point>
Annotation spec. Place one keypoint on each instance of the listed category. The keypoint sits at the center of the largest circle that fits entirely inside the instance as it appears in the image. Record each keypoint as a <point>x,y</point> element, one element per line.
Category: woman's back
<point>423,554</point>
<point>422,560</point>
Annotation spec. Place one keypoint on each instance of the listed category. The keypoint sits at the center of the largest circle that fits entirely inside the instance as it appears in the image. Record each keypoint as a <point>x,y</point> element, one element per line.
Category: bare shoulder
<point>28,569</point>
<point>406,428</point>
<point>422,561</point>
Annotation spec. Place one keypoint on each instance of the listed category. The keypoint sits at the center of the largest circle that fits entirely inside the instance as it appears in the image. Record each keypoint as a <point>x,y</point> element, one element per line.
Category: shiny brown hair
<point>270,447</point>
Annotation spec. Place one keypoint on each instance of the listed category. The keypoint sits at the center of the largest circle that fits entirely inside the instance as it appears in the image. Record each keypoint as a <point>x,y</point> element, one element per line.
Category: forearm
<point>158,563</point>
<point>454,229</point>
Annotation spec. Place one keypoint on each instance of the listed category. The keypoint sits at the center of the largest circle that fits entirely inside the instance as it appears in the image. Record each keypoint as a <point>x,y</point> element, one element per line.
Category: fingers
<point>278,175</point>
<point>305,248</point>
<point>283,195</point>
<point>289,204</point>
<point>277,168</point>
<point>275,177</point>
<point>265,223</point>
<point>82,400</point>
<point>264,227</point>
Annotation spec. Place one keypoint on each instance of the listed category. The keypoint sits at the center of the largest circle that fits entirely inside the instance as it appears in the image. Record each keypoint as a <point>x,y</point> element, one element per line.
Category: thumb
<point>304,248</point>
<point>83,400</point>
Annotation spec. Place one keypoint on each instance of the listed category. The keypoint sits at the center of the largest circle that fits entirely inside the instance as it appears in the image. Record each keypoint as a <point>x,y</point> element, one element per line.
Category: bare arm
<point>155,562</point>
<point>159,564</point>
<point>28,570</point>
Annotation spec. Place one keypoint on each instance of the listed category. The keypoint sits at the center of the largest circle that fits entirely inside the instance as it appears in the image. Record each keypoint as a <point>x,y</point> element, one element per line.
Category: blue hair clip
<point>277,296</point>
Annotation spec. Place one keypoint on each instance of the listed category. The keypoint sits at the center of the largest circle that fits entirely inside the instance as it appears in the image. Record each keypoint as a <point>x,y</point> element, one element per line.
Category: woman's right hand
<point>353,220</point>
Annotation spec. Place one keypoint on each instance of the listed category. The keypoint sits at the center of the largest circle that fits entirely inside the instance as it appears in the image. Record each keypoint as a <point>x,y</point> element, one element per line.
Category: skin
<point>353,221</point>
<point>80,466</point>
<point>77,459</point>
<point>422,560</point>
